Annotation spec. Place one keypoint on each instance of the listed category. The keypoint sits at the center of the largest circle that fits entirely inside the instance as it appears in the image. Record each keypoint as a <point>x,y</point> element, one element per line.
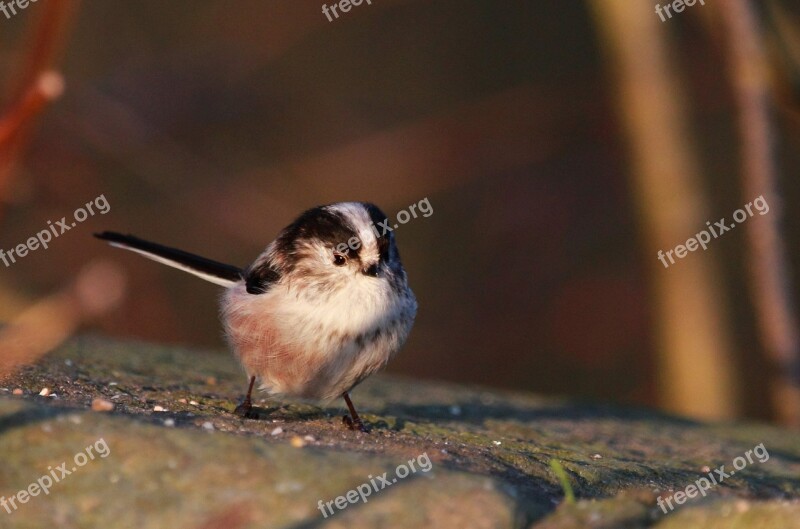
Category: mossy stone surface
<point>198,465</point>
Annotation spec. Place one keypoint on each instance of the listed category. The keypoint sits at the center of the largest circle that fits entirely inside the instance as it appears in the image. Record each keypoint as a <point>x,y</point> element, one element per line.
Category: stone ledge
<point>197,465</point>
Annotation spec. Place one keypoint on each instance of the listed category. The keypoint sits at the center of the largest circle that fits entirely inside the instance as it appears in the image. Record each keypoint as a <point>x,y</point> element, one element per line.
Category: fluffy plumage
<point>323,307</point>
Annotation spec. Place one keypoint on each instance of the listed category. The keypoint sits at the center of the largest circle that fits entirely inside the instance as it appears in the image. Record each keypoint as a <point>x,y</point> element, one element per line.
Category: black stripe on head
<point>379,219</point>
<point>316,224</point>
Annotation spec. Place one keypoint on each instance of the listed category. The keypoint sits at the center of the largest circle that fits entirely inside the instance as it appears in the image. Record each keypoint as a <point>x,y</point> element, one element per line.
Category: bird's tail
<point>219,273</point>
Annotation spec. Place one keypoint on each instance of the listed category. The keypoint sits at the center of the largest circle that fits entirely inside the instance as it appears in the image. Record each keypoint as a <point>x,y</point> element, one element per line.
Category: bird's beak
<point>371,270</point>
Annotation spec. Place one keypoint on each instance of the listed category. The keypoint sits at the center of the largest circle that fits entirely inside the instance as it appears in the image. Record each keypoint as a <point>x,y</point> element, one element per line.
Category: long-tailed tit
<point>323,307</point>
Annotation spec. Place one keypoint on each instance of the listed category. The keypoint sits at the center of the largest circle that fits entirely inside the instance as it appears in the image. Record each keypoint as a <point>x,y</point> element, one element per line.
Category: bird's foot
<point>246,410</point>
<point>354,425</point>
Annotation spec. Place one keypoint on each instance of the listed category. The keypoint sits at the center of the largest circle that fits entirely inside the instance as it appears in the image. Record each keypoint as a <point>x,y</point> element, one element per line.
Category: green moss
<point>494,447</point>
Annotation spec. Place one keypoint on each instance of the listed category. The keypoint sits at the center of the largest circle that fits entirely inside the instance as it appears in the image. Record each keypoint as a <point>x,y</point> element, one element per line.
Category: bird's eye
<point>339,259</point>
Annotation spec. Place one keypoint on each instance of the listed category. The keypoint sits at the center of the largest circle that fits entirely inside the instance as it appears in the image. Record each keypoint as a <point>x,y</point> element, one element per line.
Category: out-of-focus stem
<point>50,321</point>
<point>696,375</point>
<point>49,86</point>
<point>43,43</point>
<point>776,312</point>
<point>35,83</point>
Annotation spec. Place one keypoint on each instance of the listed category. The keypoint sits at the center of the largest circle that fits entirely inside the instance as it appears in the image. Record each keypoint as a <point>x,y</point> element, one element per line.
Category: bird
<point>323,307</point>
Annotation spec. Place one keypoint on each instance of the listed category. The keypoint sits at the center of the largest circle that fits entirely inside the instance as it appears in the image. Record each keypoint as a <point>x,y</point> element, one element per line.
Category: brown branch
<point>44,43</point>
<point>782,37</point>
<point>42,327</point>
<point>777,317</point>
<point>696,373</point>
<point>36,82</point>
<point>48,87</point>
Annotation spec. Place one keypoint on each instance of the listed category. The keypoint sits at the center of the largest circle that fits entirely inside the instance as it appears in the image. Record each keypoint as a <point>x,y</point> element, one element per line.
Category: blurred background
<point>561,145</point>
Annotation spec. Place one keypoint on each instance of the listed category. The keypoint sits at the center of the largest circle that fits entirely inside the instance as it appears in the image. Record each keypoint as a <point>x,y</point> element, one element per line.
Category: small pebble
<point>112,383</point>
<point>45,392</point>
<point>208,425</point>
<point>497,443</point>
<point>159,408</point>
<point>597,456</point>
<point>194,403</point>
<point>309,438</point>
<point>705,469</point>
<point>182,401</point>
<point>297,442</point>
<point>17,391</point>
<point>286,487</point>
<point>169,423</point>
<point>68,362</point>
<point>102,405</point>
<point>277,431</point>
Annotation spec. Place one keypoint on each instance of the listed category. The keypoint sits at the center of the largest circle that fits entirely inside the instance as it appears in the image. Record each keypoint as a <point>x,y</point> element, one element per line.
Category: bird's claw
<point>354,425</point>
<point>246,410</point>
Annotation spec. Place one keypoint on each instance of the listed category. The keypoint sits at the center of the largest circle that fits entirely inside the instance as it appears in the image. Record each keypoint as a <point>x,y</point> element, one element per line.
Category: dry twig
<point>776,312</point>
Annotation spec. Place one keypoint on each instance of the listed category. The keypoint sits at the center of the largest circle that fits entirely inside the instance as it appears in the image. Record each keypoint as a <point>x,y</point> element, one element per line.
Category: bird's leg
<point>245,409</point>
<point>353,421</point>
